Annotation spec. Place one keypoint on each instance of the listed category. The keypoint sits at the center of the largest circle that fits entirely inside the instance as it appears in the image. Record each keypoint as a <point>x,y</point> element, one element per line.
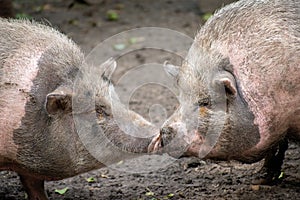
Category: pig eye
<point>102,110</point>
<point>203,102</point>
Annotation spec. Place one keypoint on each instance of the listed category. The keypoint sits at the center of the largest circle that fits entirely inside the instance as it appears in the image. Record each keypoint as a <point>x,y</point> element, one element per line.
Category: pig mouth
<point>195,145</point>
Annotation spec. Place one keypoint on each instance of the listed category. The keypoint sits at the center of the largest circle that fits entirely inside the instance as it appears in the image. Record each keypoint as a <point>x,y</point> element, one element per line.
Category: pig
<point>38,136</point>
<point>239,88</point>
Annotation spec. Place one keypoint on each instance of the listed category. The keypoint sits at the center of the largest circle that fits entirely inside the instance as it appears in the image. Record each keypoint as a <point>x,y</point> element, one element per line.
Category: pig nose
<point>167,133</point>
<point>166,130</point>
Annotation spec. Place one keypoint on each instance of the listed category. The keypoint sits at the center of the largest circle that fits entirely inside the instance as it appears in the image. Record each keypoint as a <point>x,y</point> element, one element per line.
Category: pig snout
<point>161,140</point>
<point>177,141</point>
<point>167,134</point>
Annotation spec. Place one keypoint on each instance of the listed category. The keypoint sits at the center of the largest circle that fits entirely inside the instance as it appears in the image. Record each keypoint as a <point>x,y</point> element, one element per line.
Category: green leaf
<point>23,16</point>
<point>38,8</point>
<point>149,193</point>
<point>62,191</point>
<point>112,15</point>
<point>171,195</point>
<point>119,47</point>
<point>281,175</point>
<point>133,40</point>
<point>206,16</point>
<point>91,180</point>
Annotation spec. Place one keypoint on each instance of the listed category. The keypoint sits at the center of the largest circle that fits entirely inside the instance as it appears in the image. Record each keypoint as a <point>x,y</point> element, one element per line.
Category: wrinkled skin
<point>239,87</point>
<point>38,136</point>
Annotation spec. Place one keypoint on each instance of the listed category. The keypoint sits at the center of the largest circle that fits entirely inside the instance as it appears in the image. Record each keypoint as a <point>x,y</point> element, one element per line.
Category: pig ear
<point>108,68</point>
<point>228,81</point>
<point>171,70</point>
<point>229,85</point>
<point>59,101</point>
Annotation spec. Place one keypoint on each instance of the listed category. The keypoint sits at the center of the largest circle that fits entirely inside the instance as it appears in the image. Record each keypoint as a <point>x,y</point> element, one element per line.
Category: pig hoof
<point>267,178</point>
<point>33,187</point>
<point>271,174</point>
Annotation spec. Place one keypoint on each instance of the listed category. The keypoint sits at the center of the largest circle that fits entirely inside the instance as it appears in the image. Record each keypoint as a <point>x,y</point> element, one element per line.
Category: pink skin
<point>15,87</point>
<point>38,136</point>
<point>197,145</point>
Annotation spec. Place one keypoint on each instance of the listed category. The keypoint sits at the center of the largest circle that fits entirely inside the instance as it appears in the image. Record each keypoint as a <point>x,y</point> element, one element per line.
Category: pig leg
<point>269,174</point>
<point>33,187</point>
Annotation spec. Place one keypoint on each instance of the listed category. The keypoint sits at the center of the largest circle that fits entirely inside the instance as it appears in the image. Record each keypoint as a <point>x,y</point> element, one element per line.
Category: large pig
<point>38,136</point>
<point>239,87</point>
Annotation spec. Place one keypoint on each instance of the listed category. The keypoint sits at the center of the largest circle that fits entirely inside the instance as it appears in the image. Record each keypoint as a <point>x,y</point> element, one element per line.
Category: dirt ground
<point>187,178</point>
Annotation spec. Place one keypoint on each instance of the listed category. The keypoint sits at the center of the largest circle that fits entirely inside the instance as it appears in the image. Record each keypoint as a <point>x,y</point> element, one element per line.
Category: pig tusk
<point>155,145</point>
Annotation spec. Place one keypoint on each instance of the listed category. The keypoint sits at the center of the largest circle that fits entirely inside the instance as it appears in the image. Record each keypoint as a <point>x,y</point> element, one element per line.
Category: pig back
<point>262,41</point>
<point>266,63</point>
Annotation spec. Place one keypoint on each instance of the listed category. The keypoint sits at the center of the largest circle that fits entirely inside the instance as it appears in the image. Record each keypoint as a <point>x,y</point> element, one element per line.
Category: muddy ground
<point>187,178</point>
